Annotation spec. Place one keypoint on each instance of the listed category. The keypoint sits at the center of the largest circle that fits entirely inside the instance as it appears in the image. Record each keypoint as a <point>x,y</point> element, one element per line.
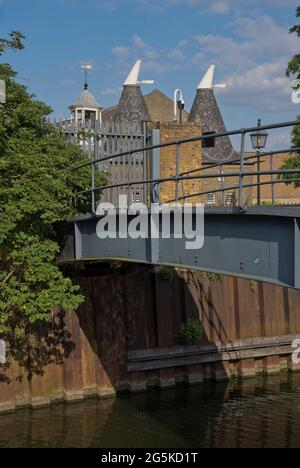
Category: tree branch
<point>8,277</point>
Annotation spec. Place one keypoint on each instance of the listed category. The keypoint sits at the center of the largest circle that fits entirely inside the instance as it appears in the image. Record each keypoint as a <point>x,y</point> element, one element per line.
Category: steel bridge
<point>257,242</point>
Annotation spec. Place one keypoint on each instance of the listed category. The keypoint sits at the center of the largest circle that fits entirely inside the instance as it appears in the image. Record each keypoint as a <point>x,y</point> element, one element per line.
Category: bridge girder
<point>261,244</point>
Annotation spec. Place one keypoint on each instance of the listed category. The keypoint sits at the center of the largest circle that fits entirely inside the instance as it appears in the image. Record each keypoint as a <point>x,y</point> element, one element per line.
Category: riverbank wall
<point>124,335</point>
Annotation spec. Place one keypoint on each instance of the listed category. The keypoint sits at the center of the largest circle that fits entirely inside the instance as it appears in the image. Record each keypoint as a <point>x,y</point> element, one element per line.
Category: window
<point>137,197</point>
<point>208,142</point>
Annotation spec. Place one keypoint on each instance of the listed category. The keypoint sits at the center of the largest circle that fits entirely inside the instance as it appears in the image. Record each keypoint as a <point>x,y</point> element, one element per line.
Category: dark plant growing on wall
<point>190,333</point>
<point>166,273</point>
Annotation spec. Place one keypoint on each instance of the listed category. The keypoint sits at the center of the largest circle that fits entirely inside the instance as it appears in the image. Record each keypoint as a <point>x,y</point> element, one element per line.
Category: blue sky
<point>247,40</point>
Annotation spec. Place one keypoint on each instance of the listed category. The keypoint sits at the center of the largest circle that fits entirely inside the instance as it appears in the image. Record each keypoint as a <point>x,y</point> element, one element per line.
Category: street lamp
<point>178,105</point>
<point>259,141</point>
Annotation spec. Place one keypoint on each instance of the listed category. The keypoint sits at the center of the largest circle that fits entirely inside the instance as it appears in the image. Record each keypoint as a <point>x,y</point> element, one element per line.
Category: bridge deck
<point>262,243</point>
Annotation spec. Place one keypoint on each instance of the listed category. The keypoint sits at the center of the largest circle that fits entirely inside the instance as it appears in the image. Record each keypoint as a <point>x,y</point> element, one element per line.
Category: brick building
<point>157,110</point>
<point>284,194</point>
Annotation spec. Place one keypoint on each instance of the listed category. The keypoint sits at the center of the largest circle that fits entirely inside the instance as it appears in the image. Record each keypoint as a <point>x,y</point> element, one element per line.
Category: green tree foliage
<point>37,191</point>
<point>15,42</point>
<point>293,69</point>
<point>294,64</point>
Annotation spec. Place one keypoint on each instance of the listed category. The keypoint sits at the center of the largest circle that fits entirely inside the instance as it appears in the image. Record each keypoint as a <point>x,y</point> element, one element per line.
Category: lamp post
<point>178,105</point>
<point>259,141</point>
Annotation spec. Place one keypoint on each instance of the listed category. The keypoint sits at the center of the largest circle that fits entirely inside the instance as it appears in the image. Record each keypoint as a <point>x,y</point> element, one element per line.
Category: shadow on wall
<point>137,308</point>
<point>48,344</point>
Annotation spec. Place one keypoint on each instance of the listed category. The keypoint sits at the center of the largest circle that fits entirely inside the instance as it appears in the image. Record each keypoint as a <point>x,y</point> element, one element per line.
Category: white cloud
<point>146,49</point>
<point>220,7</point>
<point>216,6</point>
<point>158,61</point>
<point>264,87</point>
<point>120,51</point>
<point>157,4</point>
<point>156,66</point>
<point>251,59</point>
<point>139,43</point>
<point>66,83</point>
<point>177,54</point>
<point>227,52</point>
<point>111,91</point>
<point>252,62</point>
<point>281,139</point>
<point>272,38</point>
<point>254,41</point>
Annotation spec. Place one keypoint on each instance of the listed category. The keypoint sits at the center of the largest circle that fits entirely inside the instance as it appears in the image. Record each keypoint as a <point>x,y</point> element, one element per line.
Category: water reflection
<point>256,413</point>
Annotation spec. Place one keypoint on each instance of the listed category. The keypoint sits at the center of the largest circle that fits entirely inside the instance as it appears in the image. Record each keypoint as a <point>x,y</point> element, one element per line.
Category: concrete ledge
<point>253,348</point>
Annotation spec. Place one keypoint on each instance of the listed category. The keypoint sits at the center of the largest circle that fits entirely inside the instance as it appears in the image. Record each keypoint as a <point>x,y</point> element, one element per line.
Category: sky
<point>247,40</point>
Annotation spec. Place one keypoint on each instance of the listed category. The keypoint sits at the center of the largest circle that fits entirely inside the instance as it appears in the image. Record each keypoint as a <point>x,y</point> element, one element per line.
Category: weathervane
<point>86,68</point>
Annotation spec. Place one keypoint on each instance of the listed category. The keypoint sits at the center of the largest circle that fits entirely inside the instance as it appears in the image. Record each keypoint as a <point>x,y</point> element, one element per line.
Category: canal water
<point>262,412</point>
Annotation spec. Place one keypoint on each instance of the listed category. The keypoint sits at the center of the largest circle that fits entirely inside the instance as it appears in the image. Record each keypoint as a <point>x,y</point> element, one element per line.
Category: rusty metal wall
<point>140,310</point>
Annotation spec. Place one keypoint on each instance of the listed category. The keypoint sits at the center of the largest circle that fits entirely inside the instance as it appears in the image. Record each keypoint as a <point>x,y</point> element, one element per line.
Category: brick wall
<point>283,193</point>
<point>190,159</point>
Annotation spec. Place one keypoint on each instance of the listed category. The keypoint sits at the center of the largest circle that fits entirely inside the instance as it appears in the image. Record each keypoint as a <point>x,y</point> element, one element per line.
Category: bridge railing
<point>202,173</point>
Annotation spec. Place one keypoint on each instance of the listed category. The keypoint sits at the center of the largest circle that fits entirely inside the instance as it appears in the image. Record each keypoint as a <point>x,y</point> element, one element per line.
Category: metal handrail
<point>242,131</point>
<point>194,174</point>
<point>187,178</point>
<point>235,187</point>
<point>247,158</point>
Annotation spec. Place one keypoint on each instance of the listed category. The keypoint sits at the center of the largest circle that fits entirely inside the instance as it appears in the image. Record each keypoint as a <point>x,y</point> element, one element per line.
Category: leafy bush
<point>190,333</point>
<point>166,273</point>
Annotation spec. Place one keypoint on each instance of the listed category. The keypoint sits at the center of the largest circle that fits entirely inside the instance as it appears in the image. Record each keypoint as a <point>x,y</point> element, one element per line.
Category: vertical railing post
<point>183,191</point>
<point>155,167</point>
<point>177,170</point>
<point>93,187</point>
<point>94,158</point>
<point>258,179</point>
<point>222,185</point>
<point>130,194</point>
<point>145,161</point>
<point>272,179</point>
<point>113,167</point>
<point>241,176</point>
<point>119,176</point>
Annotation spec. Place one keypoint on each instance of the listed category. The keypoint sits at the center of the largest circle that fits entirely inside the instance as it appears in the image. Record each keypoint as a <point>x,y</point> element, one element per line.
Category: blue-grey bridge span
<point>258,242</point>
<point>262,244</point>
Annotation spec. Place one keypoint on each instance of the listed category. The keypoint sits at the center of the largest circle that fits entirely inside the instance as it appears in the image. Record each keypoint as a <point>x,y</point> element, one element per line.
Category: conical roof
<point>132,107</point>
<point>87,101</point>
<point>206,111</point>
